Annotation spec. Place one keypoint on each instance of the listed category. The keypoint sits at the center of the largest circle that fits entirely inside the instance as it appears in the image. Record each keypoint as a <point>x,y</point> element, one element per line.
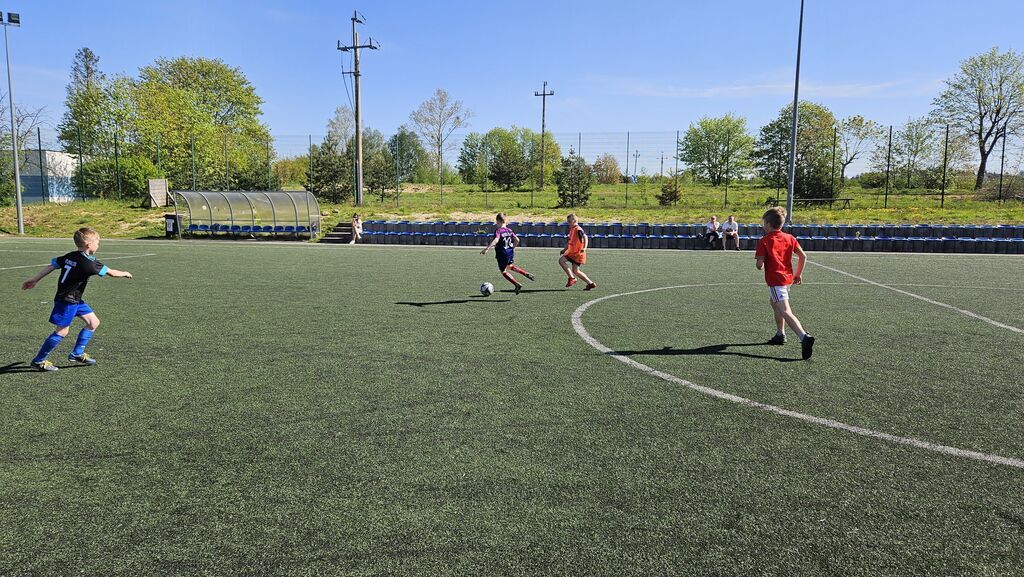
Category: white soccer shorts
<point>778,294</point>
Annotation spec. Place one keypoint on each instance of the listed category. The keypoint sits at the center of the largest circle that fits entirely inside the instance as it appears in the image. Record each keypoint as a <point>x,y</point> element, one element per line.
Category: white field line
<point>577,324</point>
<point>925,299</point>
<point>104,260</point>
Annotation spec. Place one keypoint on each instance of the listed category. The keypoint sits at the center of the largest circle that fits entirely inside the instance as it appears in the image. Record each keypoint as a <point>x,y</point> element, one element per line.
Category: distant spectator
<point>357,229</point>
<point>731,232</point>
<point>711,232</point>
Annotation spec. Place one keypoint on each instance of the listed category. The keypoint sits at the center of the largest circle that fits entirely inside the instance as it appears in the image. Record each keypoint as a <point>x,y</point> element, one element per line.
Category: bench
<point>809,202</point>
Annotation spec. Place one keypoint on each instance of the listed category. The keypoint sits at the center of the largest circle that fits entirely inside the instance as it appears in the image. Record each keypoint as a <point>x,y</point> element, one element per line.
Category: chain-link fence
<point>917,165</point>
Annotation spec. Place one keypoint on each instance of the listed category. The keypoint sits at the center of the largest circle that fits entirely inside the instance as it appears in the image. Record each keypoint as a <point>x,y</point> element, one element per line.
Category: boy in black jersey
<point>75,269</point>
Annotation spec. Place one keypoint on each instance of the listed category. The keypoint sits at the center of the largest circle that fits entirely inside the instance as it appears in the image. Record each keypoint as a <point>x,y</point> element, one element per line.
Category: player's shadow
<point>722,349</point>
<point>25,368</point>
<point>471,299</point>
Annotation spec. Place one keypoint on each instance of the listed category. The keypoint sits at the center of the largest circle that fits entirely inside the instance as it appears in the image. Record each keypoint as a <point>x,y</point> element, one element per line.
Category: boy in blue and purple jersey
<point>76,268</point>
<point>504,244</point>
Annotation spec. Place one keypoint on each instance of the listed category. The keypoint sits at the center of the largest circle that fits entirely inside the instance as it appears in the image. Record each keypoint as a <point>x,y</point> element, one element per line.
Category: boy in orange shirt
<point>574,255</point>
<point>774,254</point>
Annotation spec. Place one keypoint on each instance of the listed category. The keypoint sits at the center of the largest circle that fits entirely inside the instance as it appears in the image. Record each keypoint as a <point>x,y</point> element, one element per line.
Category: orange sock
<point>508,276</point>
<point>514,268</point>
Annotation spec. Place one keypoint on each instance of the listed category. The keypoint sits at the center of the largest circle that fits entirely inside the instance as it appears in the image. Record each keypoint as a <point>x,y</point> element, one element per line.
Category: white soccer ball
<point>487,289</point>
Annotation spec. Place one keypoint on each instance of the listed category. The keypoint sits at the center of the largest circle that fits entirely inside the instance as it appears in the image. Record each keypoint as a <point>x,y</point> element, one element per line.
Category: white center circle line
<point>577,325</point>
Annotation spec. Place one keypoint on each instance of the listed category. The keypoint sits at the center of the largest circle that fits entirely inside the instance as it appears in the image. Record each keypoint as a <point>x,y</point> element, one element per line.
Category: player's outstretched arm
<point>490,246</point>
<point>118,273</point>
<point>39,275</point>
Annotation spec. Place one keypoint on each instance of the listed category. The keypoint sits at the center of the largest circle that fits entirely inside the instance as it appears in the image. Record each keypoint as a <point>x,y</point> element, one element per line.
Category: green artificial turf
<point>273,409</point>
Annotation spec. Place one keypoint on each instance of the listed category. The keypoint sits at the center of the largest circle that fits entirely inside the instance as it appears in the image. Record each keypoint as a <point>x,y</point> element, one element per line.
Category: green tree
<point>813,150</point>
<point>86,106</point>
<point>574,179</point>
<point>913,145</point>
<point>435,120</point>
<point>606,169</point>
<point>470,156</point>
<point>713,145</point>
<point>856,135</point>
<point>105,176</point>
<point>531,143</point>
<point>412,160</point>
<point>330,173</point>
<point>380,172</point>
<point>508,166</point>
<point>669,193</point>
<point>985,100</point>
<point>178,101</point>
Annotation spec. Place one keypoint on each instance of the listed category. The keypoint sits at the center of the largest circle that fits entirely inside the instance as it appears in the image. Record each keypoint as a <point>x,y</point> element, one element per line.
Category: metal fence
<point>889,171</point>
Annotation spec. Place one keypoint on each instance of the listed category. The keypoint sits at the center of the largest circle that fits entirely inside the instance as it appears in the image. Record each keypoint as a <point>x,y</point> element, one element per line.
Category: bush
<point>669,194</point>
<point>100,177</point>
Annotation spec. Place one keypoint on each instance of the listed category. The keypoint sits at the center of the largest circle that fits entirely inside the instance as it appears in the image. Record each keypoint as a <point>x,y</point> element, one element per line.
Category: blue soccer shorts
<point>63,313</point>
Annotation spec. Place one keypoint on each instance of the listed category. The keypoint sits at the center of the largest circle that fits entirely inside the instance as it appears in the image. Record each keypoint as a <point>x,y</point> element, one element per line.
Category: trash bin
<point>172,225</point>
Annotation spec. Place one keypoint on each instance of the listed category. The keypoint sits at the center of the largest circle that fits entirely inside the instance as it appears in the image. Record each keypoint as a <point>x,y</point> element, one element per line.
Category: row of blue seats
<point>689,242</point>
<point>618,228</point>
<point>248,229</point>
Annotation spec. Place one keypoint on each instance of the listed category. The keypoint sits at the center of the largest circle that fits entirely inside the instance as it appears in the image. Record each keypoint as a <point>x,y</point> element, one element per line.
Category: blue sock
<point>83,339</point>
<point>49,344</point>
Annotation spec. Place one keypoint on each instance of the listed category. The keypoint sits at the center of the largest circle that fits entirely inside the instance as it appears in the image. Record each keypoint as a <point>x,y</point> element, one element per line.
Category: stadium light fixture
<point>13,19</point>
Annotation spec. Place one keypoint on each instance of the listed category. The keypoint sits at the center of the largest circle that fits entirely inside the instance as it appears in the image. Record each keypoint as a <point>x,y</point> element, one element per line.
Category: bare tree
<point>985,100</point>
<point>342,126</point>
<point>856,135</point>
<point>435,120</point>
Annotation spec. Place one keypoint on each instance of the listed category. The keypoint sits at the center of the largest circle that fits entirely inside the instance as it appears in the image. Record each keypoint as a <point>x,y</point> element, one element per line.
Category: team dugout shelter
<point>289,214</point>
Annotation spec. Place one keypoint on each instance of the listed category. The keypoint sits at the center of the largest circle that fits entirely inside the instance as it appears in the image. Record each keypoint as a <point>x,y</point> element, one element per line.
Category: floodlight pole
<point>792,139</point>
<point>16,21</point>
<point>357,19</point>
<point>543,126</point>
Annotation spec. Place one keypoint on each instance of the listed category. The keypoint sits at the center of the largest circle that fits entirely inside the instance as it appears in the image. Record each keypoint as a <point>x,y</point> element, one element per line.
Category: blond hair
<point>85,235</point>
<point>774,217</point>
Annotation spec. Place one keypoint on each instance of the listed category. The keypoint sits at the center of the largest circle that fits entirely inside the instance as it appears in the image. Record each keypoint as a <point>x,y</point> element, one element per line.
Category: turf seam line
<point>106,259</point>
<point>925,299</point>
<point>577,325</point>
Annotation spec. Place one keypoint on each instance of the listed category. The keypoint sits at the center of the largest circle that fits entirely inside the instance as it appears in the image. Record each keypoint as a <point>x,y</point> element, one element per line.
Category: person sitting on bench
<point>711,232</point>
<point>731,232</point>
<point>357,229</point>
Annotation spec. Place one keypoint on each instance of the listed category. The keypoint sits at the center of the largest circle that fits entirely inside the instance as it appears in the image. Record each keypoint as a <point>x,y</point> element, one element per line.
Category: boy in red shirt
<point>774,254</point>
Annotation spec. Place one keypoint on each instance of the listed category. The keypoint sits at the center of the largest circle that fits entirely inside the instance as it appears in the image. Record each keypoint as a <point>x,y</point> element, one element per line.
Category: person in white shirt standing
<point>731,231</point>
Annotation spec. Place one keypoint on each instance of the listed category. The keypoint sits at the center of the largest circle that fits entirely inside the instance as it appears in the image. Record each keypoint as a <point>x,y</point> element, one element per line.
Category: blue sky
<point>642,66</point>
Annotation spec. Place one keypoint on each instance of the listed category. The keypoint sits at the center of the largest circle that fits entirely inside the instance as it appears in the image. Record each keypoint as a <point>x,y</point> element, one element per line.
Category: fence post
<point>117,164</point>
<point>945,160</point>
<point>227,167</point>
<point>888,166</point>
<point>309,154</point>
<point>81,174</point>
<point>675,153</point>
<point>835,135</point>
<point>1002,162</point>
<point>44,184</point>
<point>728,143</point>
<point>627,169</point>
<point>193,162</point>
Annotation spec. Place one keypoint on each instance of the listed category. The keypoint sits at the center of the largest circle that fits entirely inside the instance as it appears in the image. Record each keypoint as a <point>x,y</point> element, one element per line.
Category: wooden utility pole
<point>357,19</point>
<point>543,127</point>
